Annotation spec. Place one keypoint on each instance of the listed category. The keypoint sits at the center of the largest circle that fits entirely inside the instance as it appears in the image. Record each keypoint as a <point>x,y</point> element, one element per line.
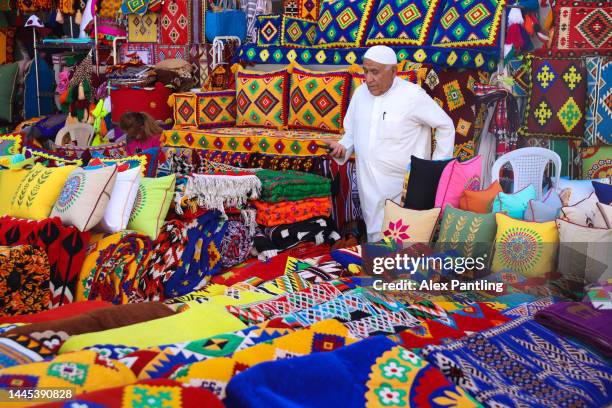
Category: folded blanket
<point>214,374</point>
<point>186,326</point>
<point>53,334</point>
<point>147,393</point>
<point>62,312</point>
<point>289,212</point>
<point>24,280</point>
<point>65,248</point>
<point>289,185</point>
<point>114,268</point>
<point>522,363</point>
<point>371,373</point>
<point>84,371</point>
<point>16,349</point>
<point>582,321</point>
<point>272,240</point>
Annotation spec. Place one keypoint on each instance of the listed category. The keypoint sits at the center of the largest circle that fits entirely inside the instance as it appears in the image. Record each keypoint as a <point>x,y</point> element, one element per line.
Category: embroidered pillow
<point>121,202</point>
<point>514,204</point>
<point>580,189</point>
<point>523,247</point>
<point>269,30</point>
<point>470,233</point>
<point>582,27</point>
<point>342,23</point>
<point>10,179</point>
<point>584,252</point>
<point>38,192</point>
<point>297,32</point>
<point>216,109</point>
<point>318,100</point>
<point>152,204</point>
<point>423,183</point>
<point>185,109</point>
<point>545,210</point>
<point>405,225</point>
<point>261,98</point>
<point>603,192</point>
<point>455,179</point>
<point>557,99</point>
<point>402,23</point>
<point>479,201</point>
<point>599,112</point>
<point>596,162</point>
<point>10,144</point>
<point>84,197</point>
<point>585,213</point>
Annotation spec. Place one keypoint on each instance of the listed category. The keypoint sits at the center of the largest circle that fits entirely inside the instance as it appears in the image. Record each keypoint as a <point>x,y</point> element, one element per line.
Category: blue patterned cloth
<point>521,363</point>
<point>342,23</point>
<point>297,32</point>
<point>269,29</point>
<point>400,22</point>
<point>599,112</point>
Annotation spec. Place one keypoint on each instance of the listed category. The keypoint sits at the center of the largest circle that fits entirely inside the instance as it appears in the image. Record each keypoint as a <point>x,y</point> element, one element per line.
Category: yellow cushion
<point>260,98</point>
<point>524,247</point>
<point>9,182</point>
<point>38,192</point>
<point>406,225</point>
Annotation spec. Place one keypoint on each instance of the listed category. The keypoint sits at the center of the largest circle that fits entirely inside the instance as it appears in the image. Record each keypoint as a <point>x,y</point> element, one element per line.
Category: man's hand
<point>336,149</point>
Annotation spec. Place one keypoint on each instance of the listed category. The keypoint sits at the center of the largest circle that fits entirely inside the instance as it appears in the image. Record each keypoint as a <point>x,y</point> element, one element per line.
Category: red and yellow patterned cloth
<point>288,212</point>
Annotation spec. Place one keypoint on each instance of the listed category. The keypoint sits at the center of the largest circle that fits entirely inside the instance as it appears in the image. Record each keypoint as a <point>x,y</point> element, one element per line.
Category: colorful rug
<point>175,23</point>
<point>277,186</point>
<point>284,212</point>
<point>599,107</point>
<point>142,29</point>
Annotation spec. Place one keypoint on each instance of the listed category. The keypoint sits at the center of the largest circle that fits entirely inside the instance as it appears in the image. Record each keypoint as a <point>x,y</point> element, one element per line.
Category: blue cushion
<point>603,192</point>
<point>297,32</point>
<point>545,210</point>
<point>269,29</point>
<point>342,23</point>
<point>514,204</point>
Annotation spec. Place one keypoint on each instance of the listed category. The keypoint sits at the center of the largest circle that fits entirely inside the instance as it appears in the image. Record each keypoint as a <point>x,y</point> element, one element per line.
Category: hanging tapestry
<point>7,41</point>
<point>557,98</point>
<point>596,162</point>
<point>269,29</point>
<point>108,8</point>
<point>65,248</point>
<point>24,280</point>
<point>343,23</point>
<point>198,21</point>
<point>164,52</point>
<point>145,53</point>
<point>454,92</point>
<point>497,367</point>
<point>200,56</point>
<point>297,32</point>
<point>30,6</point>
<point>469,24</point>
<point>142,28</point>
<point>582,28</point>
<point>401,22</point>
<point>346,208</point>
<point>290,8</point>
<point>175,21</point>
<point>599,100</point>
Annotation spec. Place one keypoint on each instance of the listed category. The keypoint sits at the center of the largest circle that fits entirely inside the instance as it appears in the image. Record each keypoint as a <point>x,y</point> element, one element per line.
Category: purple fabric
<point>580,320</point>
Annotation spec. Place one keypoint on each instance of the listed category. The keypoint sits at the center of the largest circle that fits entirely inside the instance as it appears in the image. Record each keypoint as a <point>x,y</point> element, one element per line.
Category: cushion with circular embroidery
<point>524,247</point>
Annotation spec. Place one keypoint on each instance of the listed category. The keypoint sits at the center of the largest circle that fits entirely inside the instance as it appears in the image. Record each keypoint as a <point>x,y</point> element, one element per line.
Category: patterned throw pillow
<point>309,9</point>
<point>469,23</point>
<point>405,225</point>
<point>121,202</point>
<point>582,27</point>
<point>342,23</point>
<point>83,200</point>
<point>318,100</point>
<point>152,204</point>
<point>469,233</point>
<point>10,179</point>
<point>297,32</point>
<point>557,99</point>
<point>523,247</point>
<point>423,183</point>
<point>479,201</point>
<point>38,192</point>
<point>596,162</point>
<point>269,30</point>
<point>261,98</point>
<point>514,204</point>
<point>185,109</point>
<point>398,22</point>
<point>545,210</point>
<point>599,106</point>
<point>10,144</point>
<point>585,213</point>
<point>456,178</point>
<point>216,109</point>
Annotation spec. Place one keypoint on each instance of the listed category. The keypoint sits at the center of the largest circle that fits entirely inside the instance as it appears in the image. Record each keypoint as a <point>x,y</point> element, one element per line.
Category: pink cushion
<point>456,178</point>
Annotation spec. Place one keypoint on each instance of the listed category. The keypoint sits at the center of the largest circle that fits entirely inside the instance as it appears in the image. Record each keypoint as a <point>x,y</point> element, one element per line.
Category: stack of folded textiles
<point>293,207</point>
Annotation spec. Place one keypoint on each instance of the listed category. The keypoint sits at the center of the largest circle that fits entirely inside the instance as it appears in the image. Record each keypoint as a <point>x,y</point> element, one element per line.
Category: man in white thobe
<point>387,121</point>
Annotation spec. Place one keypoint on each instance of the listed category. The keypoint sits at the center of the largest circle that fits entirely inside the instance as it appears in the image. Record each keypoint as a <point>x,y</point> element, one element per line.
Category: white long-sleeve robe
<point>384,131</point>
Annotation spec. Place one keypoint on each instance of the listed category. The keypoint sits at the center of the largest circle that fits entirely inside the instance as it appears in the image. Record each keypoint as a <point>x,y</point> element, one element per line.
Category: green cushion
<point>471,234</point>
<point>152,204</point>
<point>8,81</point>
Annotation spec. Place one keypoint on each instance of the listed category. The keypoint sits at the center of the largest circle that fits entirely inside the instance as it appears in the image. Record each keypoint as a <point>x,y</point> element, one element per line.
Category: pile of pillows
<point>108,195</point>
<point>517,232</point>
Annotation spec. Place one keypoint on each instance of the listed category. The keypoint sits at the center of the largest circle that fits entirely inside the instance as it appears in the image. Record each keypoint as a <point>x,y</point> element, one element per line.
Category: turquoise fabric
<point>514,204</point>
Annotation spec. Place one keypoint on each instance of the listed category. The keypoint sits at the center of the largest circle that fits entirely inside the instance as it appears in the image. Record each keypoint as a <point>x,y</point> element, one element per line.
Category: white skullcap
<point>381,54</point>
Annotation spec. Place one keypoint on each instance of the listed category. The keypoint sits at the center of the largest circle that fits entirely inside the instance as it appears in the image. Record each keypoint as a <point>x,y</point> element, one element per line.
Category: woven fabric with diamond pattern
<point>175,22</point>
<point>261,98</point>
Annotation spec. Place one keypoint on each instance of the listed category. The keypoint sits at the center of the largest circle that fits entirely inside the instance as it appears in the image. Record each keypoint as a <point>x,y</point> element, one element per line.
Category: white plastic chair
<point>81,134</point>
<point>528,166</point>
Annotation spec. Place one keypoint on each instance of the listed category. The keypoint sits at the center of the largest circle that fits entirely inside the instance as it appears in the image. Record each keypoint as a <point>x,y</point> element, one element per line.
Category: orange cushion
<point>479,201</point>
